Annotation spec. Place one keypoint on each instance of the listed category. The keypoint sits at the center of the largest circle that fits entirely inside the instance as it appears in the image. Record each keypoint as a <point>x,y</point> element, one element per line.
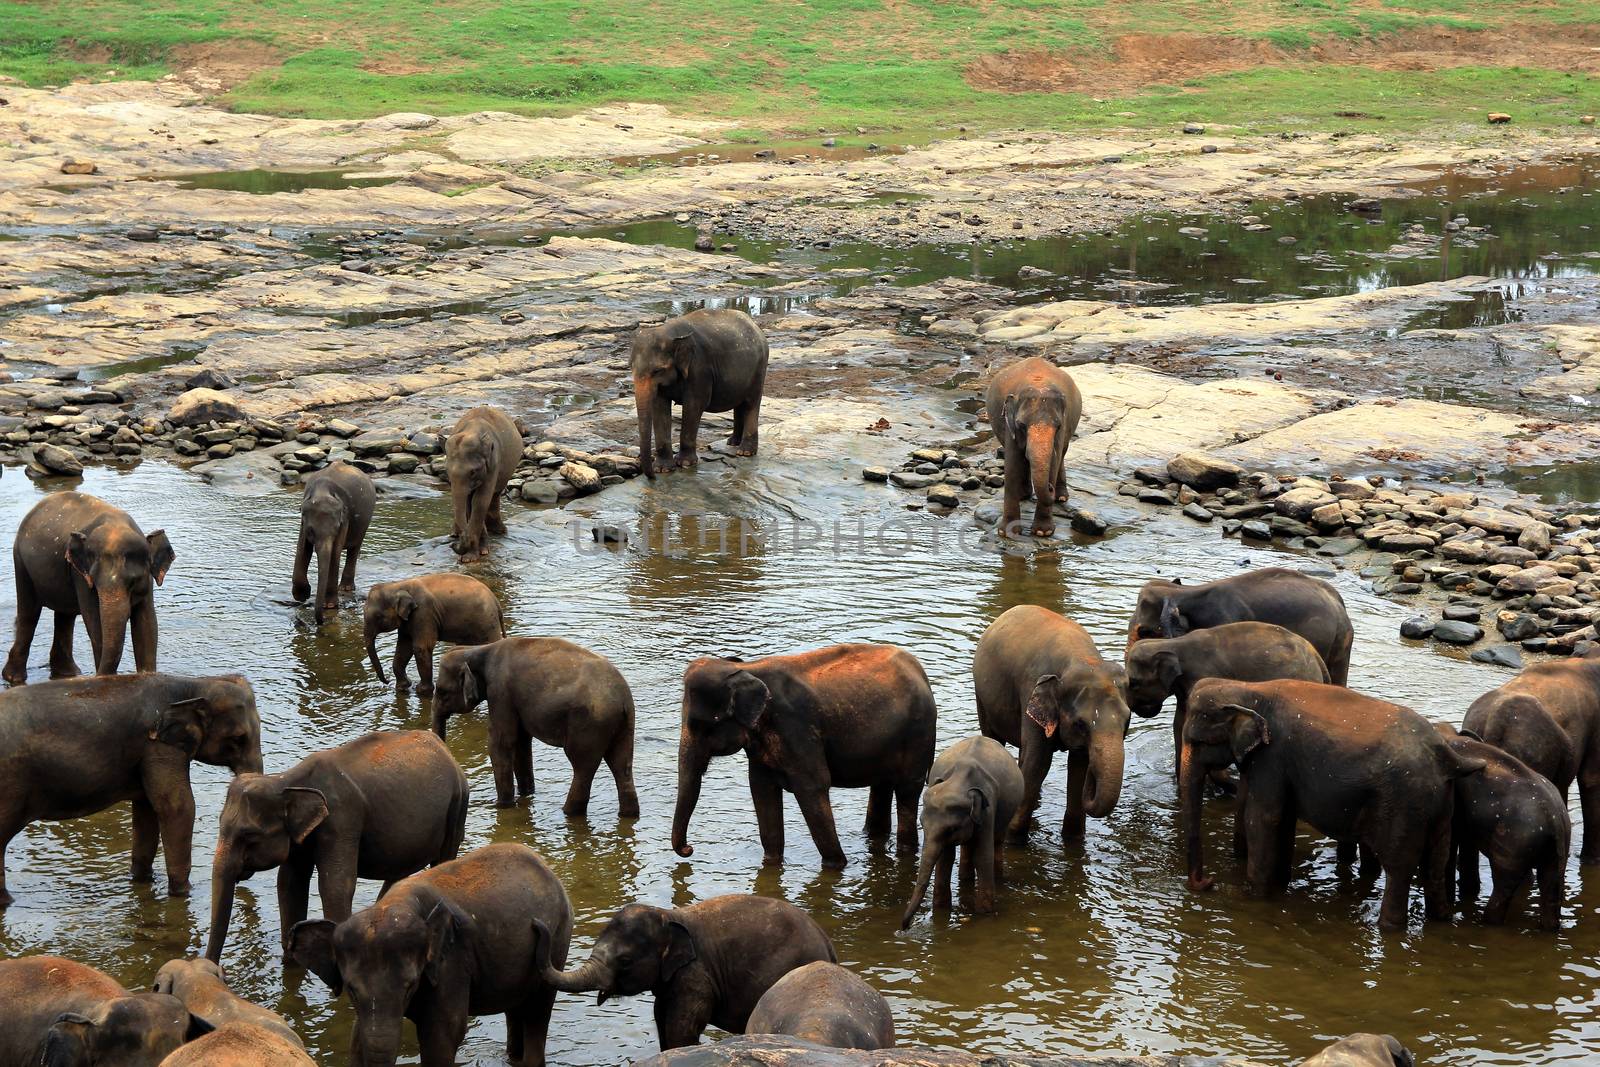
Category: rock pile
<point>950,480</point>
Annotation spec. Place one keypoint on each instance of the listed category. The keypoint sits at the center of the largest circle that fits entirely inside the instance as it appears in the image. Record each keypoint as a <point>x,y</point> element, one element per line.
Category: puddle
<point>139,366</point>
<point>1568,483</point>
<point>264,182</point>
<point>1095,951</point>
<point>367,318</point>
<point>784,152</point>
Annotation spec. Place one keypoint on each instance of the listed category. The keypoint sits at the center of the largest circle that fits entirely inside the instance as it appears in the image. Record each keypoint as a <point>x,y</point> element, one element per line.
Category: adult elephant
<point>453,942</point>
<point>55,1011</point>
<point>1299,603</point>
<point>335,511</point>
<point>1033,407</point>
<point>974,788</point>
<point>73,748</point>
<point>707,964</point>
<point>552,690</point>
<point>1568,692</point>
<point>383,806</point>
<point>426,610</point>
<point>480,456</point>
<point>1042,686</point>
<point>826,1004</point>
<point>1356,769</point>
<point>853,716</point>
<point>707,360</point>
<point>77,555</point>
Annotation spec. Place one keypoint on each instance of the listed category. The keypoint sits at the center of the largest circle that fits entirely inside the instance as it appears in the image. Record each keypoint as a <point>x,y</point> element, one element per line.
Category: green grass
<point>793,65</point>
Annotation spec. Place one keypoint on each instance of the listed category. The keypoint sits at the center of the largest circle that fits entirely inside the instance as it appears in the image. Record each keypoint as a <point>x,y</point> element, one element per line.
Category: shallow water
<point>264,182</point>
<point>1095,949</point>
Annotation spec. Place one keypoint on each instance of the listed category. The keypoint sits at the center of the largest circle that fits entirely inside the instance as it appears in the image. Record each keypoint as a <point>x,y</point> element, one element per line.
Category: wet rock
<point>944,496</point>
<point>912,480</point>
<point>581,476</point>
<point>1155,496</point>
<point>1499,656</point>
<point>209,379</point>
<point>540,491</point>
<point>1299,503</point>
<point>1535,538</point>
<point>1497,521</point>
<point>1339,546</point>
<point>704,242</point>
<point>1512,554</point>
<point>1463,612</point>
<point>1417,627</point>
<point>1328,517</point>
<point>200,406</point>
<point>1255,530</point>
<point>1203,472</point>
<point>1086,522</point>
<point>1514,626</point>
<point>57,460</point>
<point>1457,633</point>
<point>1197,513</point>
<point>607,534</point>
<point>424,443</point>
<point>378,442</point>
<point>403,463</point>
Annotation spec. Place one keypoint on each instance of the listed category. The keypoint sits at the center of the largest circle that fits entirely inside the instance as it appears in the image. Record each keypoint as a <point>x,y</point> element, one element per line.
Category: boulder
<point>209,379</point>
<point>1457,633</point>
<point>1299,503</point>
<point>1416,627</point>
<point>200,406</point>
<point>581,476</point>
<point>1205,473</point>
<point>57,460</point>
<point>1500,656</point>
<point>1497,521</point>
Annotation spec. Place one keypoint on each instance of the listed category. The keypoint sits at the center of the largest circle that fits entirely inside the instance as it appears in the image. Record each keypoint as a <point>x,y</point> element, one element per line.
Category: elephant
<point>1519,723</point>
<point>240,1045</point>
<point>75,747</point>
<point>1033,407</point>
<point>59,1013</point>
<point>426,610</point>
<point>200,985</point>
<point>1515,816</point>
<point>974,789</point>
<point>480,455</point>
<point>552,690</point>
<point>335,511</point>
<point>1363,1050</point>
<point>1042,686</point>
<point>77,555</point>
<point>1159,667</point>
<point>1569,692</point>
<point>707,964</point>
<point>707,360</point>
<point>1355,768</point>
<point>453,942</point>
<point>826,1004</point>
<point>851,716</point>
<point>1304,605</point>
<point>383,806</point>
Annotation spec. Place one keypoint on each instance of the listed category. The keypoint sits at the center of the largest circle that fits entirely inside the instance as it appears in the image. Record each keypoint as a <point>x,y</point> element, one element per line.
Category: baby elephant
<point>481,454</point>
<point>335,511</point>
<point>383,806</point>
<point>1363,1050</point>
<point>55,1011</point>
<point>240,1045</point>
<point>974,788</point>
<point>427,610</point>
<point>707,964</point>
<point>825,1004</point>
<point>553,690</point>
<point>200,986</point>
<point>1512,814</point>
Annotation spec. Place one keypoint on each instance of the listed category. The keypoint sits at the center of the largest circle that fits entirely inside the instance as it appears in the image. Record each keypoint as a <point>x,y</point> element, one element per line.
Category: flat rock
<point>1457,633</point>
<point>1417,627</point>
<point>1204,472</point>
<point>200,406</point>
<point>1499,655</point>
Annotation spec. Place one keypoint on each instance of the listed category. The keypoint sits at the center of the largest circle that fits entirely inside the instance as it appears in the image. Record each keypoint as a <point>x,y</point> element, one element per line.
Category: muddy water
<point>1099,948</point>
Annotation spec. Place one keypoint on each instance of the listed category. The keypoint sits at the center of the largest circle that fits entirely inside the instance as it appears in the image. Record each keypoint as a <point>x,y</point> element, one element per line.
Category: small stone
<point>607,534</point>
<point>57,460</point>
<point>1417,627</point>
<point>513,318</point>
<point>221,450</point>
<point>78,166</point>
<point>1197,513</point>
<point>1463,612</point>
<point>1498,118</point>
<point>1457,633</point>
<point>875,474</point>
<point>943,495</point>
<point>1087,522</point>
<point>1155,496</point>
<point>1499,655</point>
<point>912,480</point>
<point>1586,120</point>
<point>1256,530</point>
<point>1193,128</point>
<point>424,443</point>
<point>1299,503</point>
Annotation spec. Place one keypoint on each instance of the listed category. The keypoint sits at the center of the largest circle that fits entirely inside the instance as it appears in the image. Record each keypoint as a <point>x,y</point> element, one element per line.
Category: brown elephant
<point>852,716</point>
<point>335,511</point>
<point>1033,407</point>
<point>200,985</point>
<point>383,806</point>
<point>1298,602</point>
<point>55,1012</point>
<point>240,1045</point>
<point>826,1004</point>
<point>426,610</point>
<point>1568,692</point>
<point>974,789</point>
<point>481,454</point>
<point>707,360</point>
<point>1042,686</point>
<point>552,690</point>
<point>77,555</point>
<point>72,748</point>
<point>1354,768</point>
<point>1363,1050</point>
<point>708,964</point>
<point>453,942</point>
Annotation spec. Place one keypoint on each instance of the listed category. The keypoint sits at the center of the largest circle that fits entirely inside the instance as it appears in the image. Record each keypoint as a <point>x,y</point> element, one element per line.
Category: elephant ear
<point>304,809</point>
<point>470,696</point>
<point>78,556</point>
<point>444,925</point>
<point>979,801</point>
<point>66,1044</point>
<point>182,724</point>
<point>1172,621</point>
<point>405,604</point>
<point>161,555</point>
<point>747,698</point>
<point>311,946</point>
<point>677,329</point>
<point>1043,706</point>
<point>1249,732</point>
<point>679,951</point>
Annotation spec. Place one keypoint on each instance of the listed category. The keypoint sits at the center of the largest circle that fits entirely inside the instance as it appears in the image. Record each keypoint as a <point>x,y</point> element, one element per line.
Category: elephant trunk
<point>114,612</point>
<point>378,1041</point>
<point>591,974</point>
<point>692,762</point>
<point>1191,780</point>
<point>644,404</point>
<point>1042,466</point>
<point>327,578</point>
<point>931,851</point>
<point>370,629</point>
<point>1103,784</point>
<point>224,876</point>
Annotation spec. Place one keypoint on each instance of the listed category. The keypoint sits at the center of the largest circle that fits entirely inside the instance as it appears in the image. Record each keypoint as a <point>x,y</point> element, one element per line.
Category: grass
<point>797,65</point>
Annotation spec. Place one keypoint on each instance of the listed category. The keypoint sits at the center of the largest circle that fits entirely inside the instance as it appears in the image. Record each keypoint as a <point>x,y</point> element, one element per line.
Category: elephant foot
<point>770,859</point>
<point>734,440</point>
<point>6,899</point>
<point>496,526</point>
<point>1043,528</point>
<point>688,459</point>
<point>906,844</point>
<point>65,670</point>
<point>347,587</point>
<point>425,690</point>
<point>575,812</point>
<point>14,674</point>
<point>1201,884</point>
<point>176,888</point>
<point>628,809</point>
<point>745,450</point>
<point>834,863</point>
<point>142,877</point>
<point>505,802</point>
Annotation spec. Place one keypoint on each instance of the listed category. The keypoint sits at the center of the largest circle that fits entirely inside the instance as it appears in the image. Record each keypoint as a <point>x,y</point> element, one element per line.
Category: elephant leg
<point>766,794</point>
<point>514,1037</point>
<point>681,1019</point>
<point>1345,853</point>
<point>1589,799</point>
<point>941,880</point>
<point>1016,491</point>
<point>818,810</point>
<point>146,836</point>
<point>1396,894</point>
<point>1034,758</point>
<point>294,895</point>
<point>440,1032</point>
<point>62,663</point>
<point>737,434</point>
<point>878,799</point>
<point>494,521</point>
<point>689,436</point>
<point>145,635</point>
<point>1506,884</point>
<point>1437,873</point>
<point>906,795</point>
<point>424,658</point>
<point>336,884</point>
<point>1467,872</point>
<point>402,656</point>
<point>173,802</point>
<point>347,580</point>
<point>967,870</point>
<point>300,582</point>
<point>1074,823</point>
<point>1241,840</point>
<point>1262,841</point>
<point>661,419</point>
<point>1283,870</point>
<point>584,766</point>
<point>748,427</point>
<point>522,763</point>
<point>534,1030</point>
<point>1551,889</point>
<point>504,739</point>
<point>984,872</point>
<point>619,759</point>
<point>28,610</point>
